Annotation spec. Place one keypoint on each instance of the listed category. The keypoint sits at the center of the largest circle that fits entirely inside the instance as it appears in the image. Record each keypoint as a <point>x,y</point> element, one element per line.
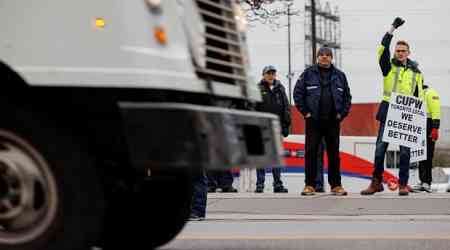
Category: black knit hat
<point>325,50</point>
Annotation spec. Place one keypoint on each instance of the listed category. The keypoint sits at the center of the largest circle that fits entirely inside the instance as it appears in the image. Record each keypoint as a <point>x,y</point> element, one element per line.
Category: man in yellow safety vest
<point>401,75</point>
<point>433,121</point>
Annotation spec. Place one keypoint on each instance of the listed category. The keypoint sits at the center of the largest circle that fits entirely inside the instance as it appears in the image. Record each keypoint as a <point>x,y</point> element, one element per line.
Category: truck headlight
<point>154,3</point>
<point>154,6</point>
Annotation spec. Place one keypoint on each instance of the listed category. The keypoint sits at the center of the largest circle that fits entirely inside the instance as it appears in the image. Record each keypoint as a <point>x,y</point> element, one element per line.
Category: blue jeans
<point>380,152</point>
<point>200,195</point>
<point>261,177</point>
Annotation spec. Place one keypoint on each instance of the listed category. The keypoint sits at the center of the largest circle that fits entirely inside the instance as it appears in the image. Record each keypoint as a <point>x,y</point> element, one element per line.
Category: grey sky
<point>363,25</point>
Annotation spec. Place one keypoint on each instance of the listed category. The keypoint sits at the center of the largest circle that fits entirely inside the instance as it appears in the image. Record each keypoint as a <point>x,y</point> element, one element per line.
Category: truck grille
<point>224,59</point>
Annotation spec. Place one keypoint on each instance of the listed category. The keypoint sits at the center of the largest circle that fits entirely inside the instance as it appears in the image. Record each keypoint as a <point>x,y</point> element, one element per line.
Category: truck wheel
<point>49,196</point>
<point>151,215</point>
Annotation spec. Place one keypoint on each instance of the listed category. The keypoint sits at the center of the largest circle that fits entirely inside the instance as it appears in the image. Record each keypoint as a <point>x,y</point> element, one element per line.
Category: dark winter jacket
<point>275,101</point>
<point>308,92</point>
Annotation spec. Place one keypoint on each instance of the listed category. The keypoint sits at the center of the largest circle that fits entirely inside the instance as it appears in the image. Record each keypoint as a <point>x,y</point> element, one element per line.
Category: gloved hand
<point>434,134</point>
<point>285,131</point>
<point>398,22</point>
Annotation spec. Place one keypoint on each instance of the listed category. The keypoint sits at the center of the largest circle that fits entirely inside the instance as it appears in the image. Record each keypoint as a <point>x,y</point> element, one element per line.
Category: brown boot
<point>339,191</point>
<point>403,190</point>
<point>375,186</point>
<point>308,190</point>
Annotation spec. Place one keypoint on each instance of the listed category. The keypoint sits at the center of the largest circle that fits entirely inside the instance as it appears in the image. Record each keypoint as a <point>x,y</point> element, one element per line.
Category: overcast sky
<point>363,25</point>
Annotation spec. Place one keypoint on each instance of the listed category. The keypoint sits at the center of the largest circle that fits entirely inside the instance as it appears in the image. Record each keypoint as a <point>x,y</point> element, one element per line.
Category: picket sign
<point>406,125</point>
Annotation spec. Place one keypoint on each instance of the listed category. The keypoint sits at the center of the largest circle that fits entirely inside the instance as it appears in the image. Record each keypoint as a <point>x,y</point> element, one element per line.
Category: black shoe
<point>211,189</point>
<point>229,190</point>
<point>259,190</point>
<point>280,189</point>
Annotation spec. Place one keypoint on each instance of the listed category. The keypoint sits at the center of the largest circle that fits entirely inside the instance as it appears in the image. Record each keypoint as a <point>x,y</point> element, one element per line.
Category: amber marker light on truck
<point>100,22</point>
<point>160,35</point>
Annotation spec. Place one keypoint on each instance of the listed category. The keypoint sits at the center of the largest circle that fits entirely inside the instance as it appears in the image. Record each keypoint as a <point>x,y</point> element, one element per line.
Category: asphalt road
<point>288,221</point>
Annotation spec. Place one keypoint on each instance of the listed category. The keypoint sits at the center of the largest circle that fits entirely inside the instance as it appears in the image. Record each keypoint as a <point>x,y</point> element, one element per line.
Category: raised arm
<point>384,56</point>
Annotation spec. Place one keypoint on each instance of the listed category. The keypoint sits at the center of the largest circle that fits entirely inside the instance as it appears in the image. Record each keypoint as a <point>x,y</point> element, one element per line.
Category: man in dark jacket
<point>323,97</point>
<point>276,102</point>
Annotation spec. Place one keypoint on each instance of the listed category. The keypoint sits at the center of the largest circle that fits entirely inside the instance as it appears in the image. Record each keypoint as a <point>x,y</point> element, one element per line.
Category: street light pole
<point>289,53</point>
<point>313,31</point>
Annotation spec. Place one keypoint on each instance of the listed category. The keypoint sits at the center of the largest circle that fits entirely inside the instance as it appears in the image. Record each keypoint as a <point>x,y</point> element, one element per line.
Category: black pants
<point>319,176</point>
<point>426,166</point>
<point>328,130</point>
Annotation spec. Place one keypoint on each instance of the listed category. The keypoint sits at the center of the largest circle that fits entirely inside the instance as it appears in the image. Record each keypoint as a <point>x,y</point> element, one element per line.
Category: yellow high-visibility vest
<point>401,80</point>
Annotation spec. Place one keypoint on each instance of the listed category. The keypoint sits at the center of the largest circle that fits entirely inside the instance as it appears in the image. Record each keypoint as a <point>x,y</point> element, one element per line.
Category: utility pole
<point>322,28</point>
<point>289,52</point>
<point>313,31</point>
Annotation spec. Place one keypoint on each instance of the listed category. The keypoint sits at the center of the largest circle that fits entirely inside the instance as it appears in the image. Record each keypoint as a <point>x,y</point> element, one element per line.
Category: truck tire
<point>50,198</point>
<point>151,215</point>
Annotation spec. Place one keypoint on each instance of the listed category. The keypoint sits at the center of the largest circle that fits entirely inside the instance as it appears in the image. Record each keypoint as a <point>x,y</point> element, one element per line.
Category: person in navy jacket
<point>322,96</point>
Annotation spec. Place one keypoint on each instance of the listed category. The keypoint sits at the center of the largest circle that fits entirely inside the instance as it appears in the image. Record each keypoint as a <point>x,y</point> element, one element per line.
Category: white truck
<point>110,108</point>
